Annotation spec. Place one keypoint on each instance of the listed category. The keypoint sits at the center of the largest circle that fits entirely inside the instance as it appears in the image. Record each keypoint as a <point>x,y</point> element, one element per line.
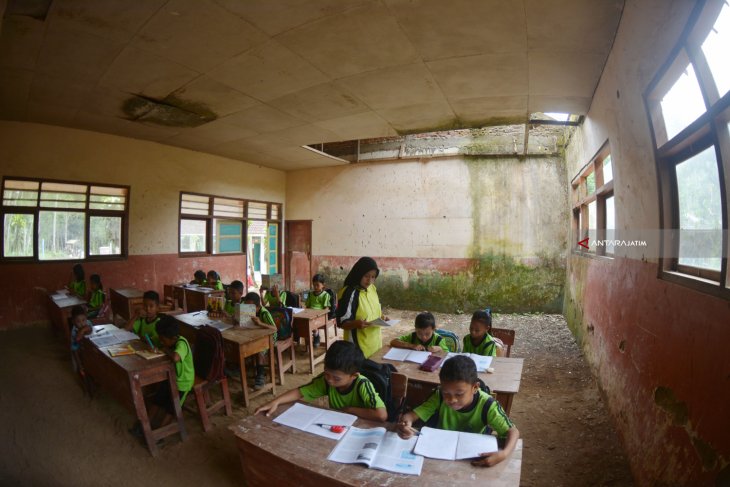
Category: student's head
<point>425,326</point>
<point>199,276</point>
<point>168,330</point>
<point>342,362</point>
<point>150,304</point>
<point>318,283</point>
<point>213,277</point>
<point>78,316</point>
<point>459,381</point>
<point>363,273</point>
<point>78,272</point>
<point>95,281</point>
<point>252,298</point>
<point>481,324</point>
<point>235,291</point>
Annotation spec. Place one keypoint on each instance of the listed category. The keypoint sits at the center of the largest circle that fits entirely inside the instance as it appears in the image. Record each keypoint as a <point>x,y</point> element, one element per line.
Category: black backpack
<point>291,301</point>
<point>433,421</point>
<point>379,375</point>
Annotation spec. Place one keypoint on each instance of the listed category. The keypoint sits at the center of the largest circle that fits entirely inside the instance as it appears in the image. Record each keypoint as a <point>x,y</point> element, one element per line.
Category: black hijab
<point>361,267</point>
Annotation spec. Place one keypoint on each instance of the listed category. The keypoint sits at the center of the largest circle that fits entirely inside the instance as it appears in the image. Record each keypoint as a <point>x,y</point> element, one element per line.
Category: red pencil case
<point>432,363</point>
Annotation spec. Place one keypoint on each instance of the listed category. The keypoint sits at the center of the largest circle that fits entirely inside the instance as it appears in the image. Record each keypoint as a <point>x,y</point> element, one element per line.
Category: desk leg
<point>310,346</point>
<point>244,382</point>
<point>272,364</point>
<point>506,401</point>
<point>141,409</point>
<point>178,408</point>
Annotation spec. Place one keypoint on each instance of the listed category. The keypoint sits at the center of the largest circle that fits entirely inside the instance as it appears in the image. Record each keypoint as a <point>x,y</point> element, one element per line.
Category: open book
<point>315,420</point>
<point>109,337</point>
<point>407,355</point>
<point>453,445</point>
<point>380,322</point>
<point>482,361</point>
<point>379,449</point>
<point>244,314</point>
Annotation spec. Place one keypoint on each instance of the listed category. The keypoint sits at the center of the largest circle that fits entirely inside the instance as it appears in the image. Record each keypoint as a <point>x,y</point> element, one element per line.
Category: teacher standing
<point>358,304</point>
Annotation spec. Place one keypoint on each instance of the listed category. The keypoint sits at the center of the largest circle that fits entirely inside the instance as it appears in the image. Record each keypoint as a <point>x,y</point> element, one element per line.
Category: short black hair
<point>344,357</point>
<point>199,274</point>
<point>78,271</point>
<point>167,327</point>
<point>483,317</point>
<point>459,369</point>
<point>214,274</point>
<point>77,310</point>
<point>153,295</point>
<point>425,320</point>
<point>318,278</point>
<point>96,279</point>
<point>253,297</point>
<point>238,285</point>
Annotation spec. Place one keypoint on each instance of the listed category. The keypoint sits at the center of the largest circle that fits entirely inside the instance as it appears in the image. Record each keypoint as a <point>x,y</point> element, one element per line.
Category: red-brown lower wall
<point>660,352</point>
<point>24,287</point>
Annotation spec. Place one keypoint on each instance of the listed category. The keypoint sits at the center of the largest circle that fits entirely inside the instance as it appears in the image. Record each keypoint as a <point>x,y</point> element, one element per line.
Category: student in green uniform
<point>273,298</point>
<point>199,278</point>
<point>424,337</point>
<point>96,295</point>
<point>77,285</point>
<point>263,318</point>
<point>479,340</point>
<point>175,346</point>
<point>346,389</point>
<point>459,404</point>
<point>318,298</point>
<point>235,293</point>
<point>214,281</point>
<point>358,304</point>
<point>144,320</point>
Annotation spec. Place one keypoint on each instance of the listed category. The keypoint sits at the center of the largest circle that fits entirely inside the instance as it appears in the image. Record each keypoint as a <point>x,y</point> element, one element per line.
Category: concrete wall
<point>450,234</point>
<point>659,350</point>
<point>156,174</point>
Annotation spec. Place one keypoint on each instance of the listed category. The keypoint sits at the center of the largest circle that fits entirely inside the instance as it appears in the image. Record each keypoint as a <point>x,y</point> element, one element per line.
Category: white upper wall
<point>156,174</point>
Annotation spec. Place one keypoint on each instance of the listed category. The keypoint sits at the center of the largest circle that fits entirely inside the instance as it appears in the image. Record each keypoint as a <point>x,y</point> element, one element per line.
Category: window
<point>593,206</point>
<point>54,220</point>
<point>688,105</point>
<point>216,225</point>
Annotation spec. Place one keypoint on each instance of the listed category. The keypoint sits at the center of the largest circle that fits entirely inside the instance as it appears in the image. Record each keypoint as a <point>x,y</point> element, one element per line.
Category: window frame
<point>603,190</point>
<point>705,132</point>
<point>210,218</point>
<point>87,211</point>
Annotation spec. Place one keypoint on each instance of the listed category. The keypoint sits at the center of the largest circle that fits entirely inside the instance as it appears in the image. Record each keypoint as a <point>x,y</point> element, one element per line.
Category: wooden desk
<point>238,343</point>
<point>196,299</point>
<point>124,377</point>
<point>504,382</point>
<point>124,301</point>
<point>274,454</point>
<point>305,322</point>
<point>59,308</point>
<point>178,294</point>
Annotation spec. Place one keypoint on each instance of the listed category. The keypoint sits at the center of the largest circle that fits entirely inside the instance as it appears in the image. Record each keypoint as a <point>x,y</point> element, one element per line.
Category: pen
<point>149,341</point>
<point>335,428</point>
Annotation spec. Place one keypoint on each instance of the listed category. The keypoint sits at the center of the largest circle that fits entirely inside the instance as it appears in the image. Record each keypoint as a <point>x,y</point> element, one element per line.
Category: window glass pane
<point>592,222</point>
<point>683,103</point>
<point>227,236</point>
<point>700,211</point>
<point>275,212</point>
<point>20,193</point>
<point>610,224</point>
<point>18,235</point>
<point>194,205</point>
<point>61,235</point>
<point>257,210</point>
<point>192,235</point>
<point>607,169</point>
<point>107,198</point>
<point>105,235</point>
<point>715,48</point>
<point>591,183</point>
<point>272,242</point>
<point>58,195</point>
<point>228,207</point>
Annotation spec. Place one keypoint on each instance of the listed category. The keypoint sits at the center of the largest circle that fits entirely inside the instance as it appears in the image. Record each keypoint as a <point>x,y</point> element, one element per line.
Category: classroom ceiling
<point>254,80</point>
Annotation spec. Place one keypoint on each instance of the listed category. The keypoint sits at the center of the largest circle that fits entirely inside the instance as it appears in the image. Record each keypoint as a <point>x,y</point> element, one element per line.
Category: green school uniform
<point>469,419</point>
<point>486,347</point>
<point>270,300</point>
<point>266,317</point>
<point>318,301</point>
<point>184,369</point>
<point>360,394</point>
<point>78,288</point>
<point>218,286</point>
<point>142,327</point>
<point>97,299</point>
<point>230,307</point>
<point>369,339</point>
<point>435,341</point>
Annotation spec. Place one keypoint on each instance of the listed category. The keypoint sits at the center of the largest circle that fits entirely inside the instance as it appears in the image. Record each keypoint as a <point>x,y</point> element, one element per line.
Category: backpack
<point>433,421</point>
<point>283,320</point>
<point>208,358</point>
<point>379,375</point>
<point>292,300</point>
<point>452,340</point>
<point>333,304</point>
